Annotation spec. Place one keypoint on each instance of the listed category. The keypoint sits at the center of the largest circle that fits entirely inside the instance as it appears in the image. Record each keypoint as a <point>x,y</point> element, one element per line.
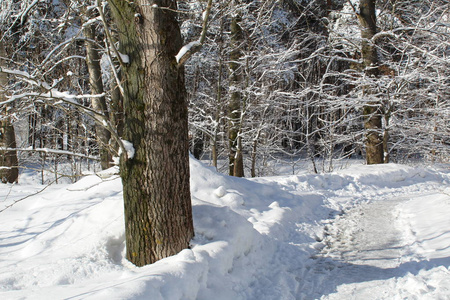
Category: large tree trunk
<point>99,103</point>
<point>9,171</point>
<point>158,214</point>
<point>372,110</point>
<point>236,163</point>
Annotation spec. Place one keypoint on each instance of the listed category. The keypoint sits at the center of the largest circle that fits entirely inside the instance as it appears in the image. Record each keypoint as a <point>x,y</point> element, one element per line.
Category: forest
<point>292,80</point>
<point>243,84</point>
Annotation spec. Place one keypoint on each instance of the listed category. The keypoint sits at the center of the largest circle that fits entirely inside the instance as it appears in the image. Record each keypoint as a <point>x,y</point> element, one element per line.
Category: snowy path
<point>373,251</point>
<point>365,235</point>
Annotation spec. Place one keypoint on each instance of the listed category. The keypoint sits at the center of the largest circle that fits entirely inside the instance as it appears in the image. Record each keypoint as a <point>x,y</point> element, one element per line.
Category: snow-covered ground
<point>366,232</point>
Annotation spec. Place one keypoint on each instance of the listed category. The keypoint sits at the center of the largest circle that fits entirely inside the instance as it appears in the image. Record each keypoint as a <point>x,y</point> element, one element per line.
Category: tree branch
<point>53,94</point>
<point>190,49</point>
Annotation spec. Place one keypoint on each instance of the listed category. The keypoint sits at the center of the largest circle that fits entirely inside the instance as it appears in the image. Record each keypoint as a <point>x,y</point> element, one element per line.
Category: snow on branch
<point>52,151</point>
<point>63,45</point>
<point>187,51</point>
<point>92,21</point>
<point>21,17</point>
<point>50,93</point>
<point>16,72</point>
<point>190,49</point>
<point>53,95</point>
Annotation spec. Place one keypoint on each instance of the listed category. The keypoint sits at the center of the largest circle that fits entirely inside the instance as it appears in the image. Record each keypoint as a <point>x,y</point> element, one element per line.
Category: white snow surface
<point>366,232</point>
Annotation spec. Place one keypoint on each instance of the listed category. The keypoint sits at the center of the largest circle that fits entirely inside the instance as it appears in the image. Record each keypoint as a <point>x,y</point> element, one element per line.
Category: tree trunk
<point>239,160</point>
<point>98,104</point>
<point>32,128</point>
<point>386,138</point>
<point>372,110</point>
<point>9,171</point>
<point>254,148</point>
<point>158,214</point>
<point>236,164</point>
<point>219,105</point>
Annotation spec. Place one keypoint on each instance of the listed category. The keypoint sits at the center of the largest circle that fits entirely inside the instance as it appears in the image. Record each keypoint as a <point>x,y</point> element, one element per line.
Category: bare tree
<point>96,83</point>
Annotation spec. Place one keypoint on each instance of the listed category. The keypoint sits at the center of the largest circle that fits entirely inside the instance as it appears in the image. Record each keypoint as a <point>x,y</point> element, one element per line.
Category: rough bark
<point>236,163</point>
<point>219,104</point>
<point>99,103</point>
<point>254,149</point>
<point>158,214</point>
<point>372,110</point>
<point>9,171</point>
<point>386,138</point>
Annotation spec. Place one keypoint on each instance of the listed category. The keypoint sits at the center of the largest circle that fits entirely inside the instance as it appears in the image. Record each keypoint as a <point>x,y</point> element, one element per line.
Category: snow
<point>125,58</point>
<point>185,49</point>
<point>366,232</point>
<point>16,72</point>
<point>93,20</point>
<point>129,148</point>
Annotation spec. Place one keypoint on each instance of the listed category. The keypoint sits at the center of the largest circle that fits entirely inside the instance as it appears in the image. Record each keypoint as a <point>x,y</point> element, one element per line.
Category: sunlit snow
<point>366,232</point>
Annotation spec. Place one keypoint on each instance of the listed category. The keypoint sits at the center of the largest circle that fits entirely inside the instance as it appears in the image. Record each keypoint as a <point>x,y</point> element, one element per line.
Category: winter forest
<point>276,97</point>
<point>313,82</point>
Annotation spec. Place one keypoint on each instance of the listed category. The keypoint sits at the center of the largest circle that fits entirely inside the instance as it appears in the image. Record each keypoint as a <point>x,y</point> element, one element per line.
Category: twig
<point>9,192</point>
<point>108,34</point>
<point>113,177</point>
<point>199,45</point>
<point>353,7</point>
<point>28,196</point>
